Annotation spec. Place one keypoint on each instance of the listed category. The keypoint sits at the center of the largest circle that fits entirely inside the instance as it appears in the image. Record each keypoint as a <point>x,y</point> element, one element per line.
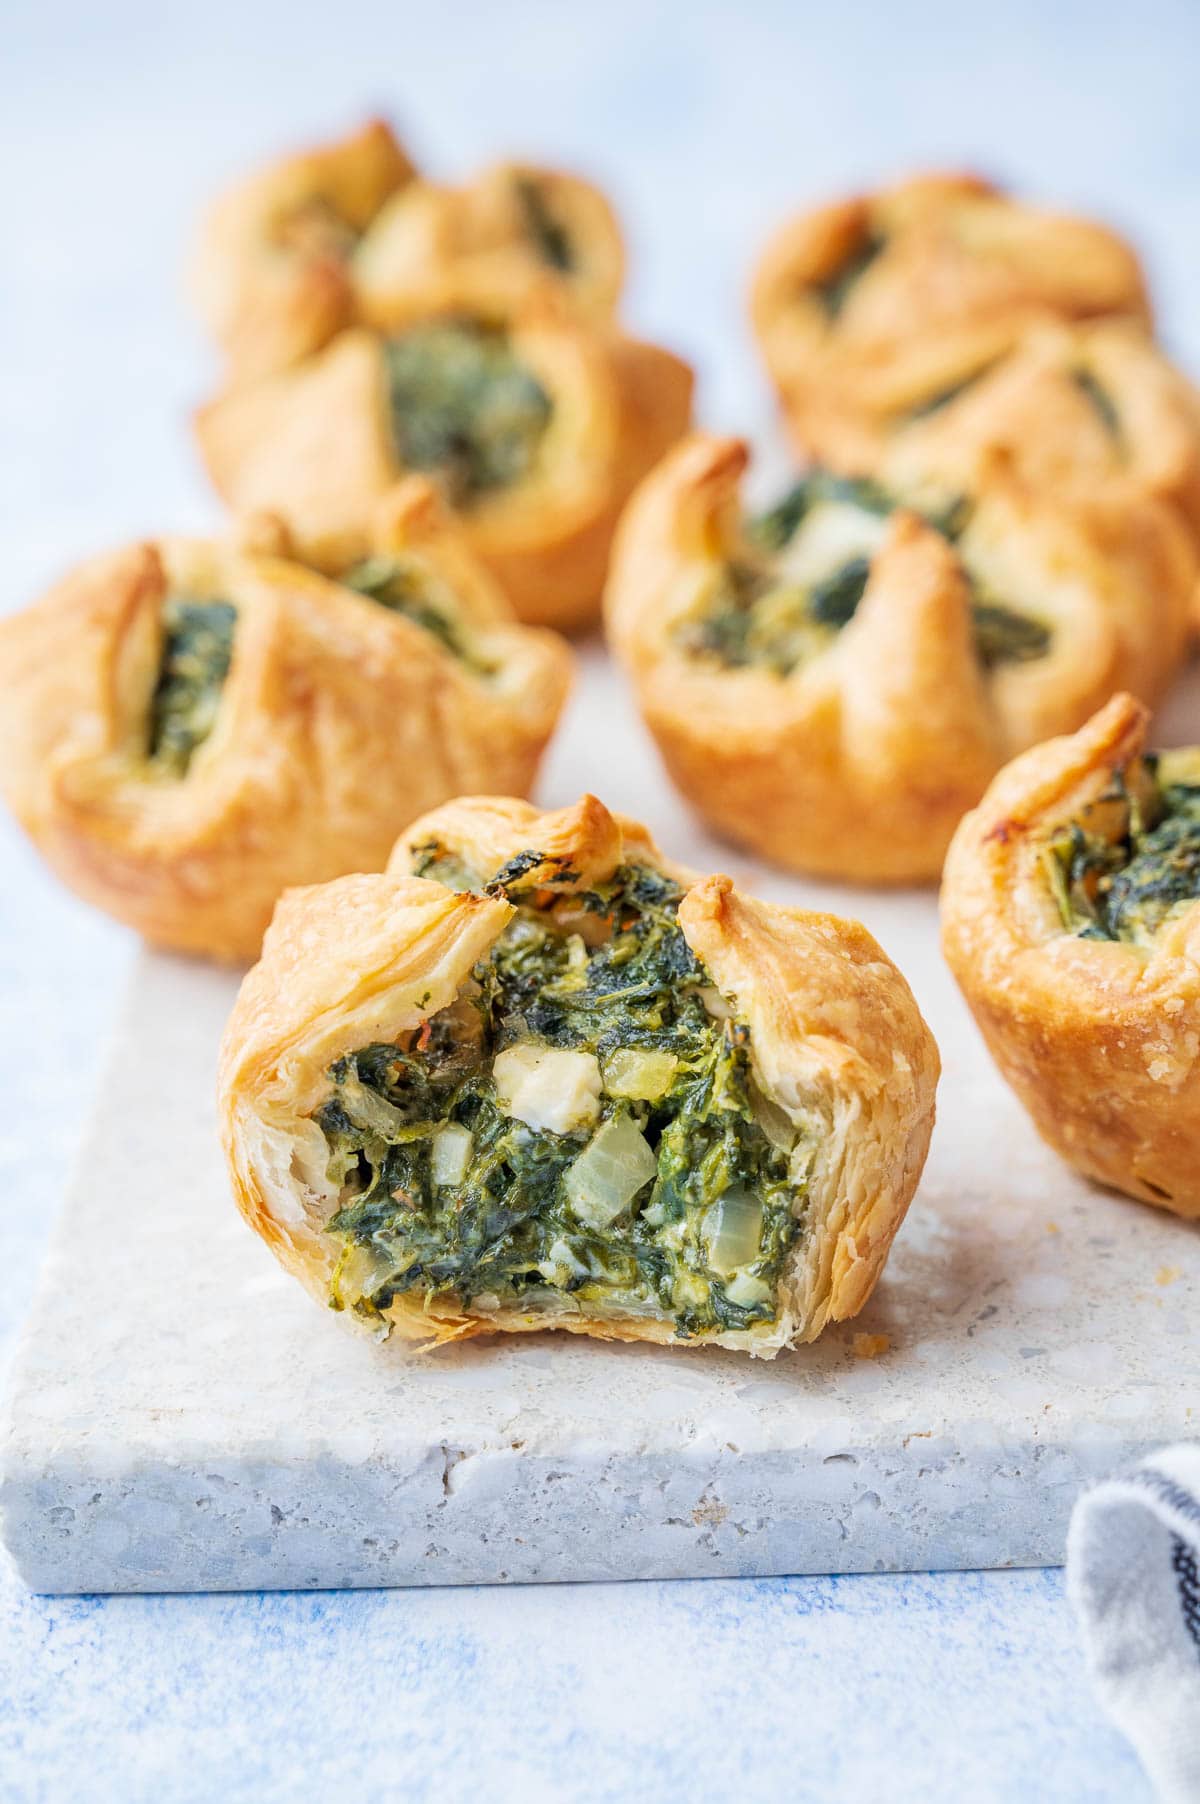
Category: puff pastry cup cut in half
<point>1071,919</point>
<point>835,682</point>
<point>186,728</point>
<point>874,307</point>
<point>325,237</point>
<point>536,1076</point>
<point>536,425</point>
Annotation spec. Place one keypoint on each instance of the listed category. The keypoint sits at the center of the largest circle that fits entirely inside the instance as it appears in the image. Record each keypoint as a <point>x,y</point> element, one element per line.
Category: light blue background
<point>708,123</point>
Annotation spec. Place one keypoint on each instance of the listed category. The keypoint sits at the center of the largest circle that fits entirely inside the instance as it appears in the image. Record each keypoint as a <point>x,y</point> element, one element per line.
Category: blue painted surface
<point>709,121</point>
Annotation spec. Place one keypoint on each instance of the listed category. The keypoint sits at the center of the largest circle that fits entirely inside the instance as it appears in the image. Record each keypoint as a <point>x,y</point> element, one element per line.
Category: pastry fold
<point>337,235</point>
<point>1070,407</point>
<point>538,465</point>
<point>514,226</point>
<point>873,309</point>
<point>272,275</point>
<point>578,1007</point>
<point>1070,920</point>
<point>188,727</point>
<point>919,653</point>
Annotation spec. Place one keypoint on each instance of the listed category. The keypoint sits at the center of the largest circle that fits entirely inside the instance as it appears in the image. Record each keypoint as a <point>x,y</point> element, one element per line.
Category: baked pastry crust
<point>1097,1037</point>
<point>871,308</point>
<point>340,234</point>
<point>273,271</point>
<point>835,1034</point>
<point>315,444</point>
<point>490,226</point>
<point>860,761</point>
<point>338,721</point>
<point>1070,407</point>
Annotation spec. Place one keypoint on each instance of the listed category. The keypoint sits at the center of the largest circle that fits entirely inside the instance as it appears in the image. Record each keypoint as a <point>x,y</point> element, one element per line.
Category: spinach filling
<point>943,397</point>
<point>759,615</point>
<point>1132,859</point>
<point>577,1124</point>
<point>1099,399</point>
<point>464,407</point>
<point>402,589</point>
<point>197,649</point>
<point>550,239</point>
<point>834,290</point>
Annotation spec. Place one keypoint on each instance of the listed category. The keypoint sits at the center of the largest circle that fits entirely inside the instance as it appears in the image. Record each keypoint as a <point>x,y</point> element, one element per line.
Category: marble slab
<point>182,1417</point>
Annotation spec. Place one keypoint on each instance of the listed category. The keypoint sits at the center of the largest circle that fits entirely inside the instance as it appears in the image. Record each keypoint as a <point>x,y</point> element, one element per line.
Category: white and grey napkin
<point>1133,1575</point>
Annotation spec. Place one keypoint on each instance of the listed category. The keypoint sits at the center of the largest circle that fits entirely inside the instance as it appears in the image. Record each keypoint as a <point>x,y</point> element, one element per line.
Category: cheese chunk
<point>548,1087</point>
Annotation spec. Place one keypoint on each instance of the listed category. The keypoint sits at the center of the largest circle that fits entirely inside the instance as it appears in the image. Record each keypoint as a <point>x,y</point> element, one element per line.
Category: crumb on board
<point>870,1346</point>
<point>1167,1274</point>
<point>1052,1227</point>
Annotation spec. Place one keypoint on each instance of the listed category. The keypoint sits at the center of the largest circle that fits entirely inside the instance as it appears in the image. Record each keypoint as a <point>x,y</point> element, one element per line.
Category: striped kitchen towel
<point>1133,1575</point>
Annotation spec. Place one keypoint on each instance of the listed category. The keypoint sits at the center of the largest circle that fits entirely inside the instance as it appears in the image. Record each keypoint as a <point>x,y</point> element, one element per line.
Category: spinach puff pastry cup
<point>834,683</point>
<point>536,425</point>
<point>536,1076</point>
<point>327,237</point>
<point>871,309</point>
<point>186,727</point>
<point>1070,919</point>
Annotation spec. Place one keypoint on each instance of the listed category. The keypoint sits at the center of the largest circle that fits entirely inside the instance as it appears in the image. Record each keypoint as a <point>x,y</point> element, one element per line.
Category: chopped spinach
<point>942,397</point>
<point>757,615</point>
<point>401,588</point>
<point>550,237</point>
<point>506,1225</point>
<point>779,525</point>
<point>834,600</point>
<point>1099,399</point>
<point>197,648</point>
<point>1004,636</point>
<point>1131,861</point>
<point>463,406</point>
<point>834,289</point>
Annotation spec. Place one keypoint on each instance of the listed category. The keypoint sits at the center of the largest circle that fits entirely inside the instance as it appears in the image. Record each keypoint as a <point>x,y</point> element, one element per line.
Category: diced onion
<point>779,1128</point>
<point>359,1270</point>
<point>641,1072</point>
<point>614,1165</point>
<point>450,1154</point>
<point>548,1087</point>
<point>732,1231</point>
<point>368,1109</point>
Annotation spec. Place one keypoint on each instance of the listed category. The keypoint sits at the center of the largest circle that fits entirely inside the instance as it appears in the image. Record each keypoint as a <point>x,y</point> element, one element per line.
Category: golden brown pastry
<point>872,309</point>
<point>343,233</point>
<point>186,728</point>
<point>834,683</point>
<point>537,1077</point>
<point>273,274</point>
<point>536,425</point>
<point>513,226</point>
<point>1070,919</point>
<point>1071,406</point>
